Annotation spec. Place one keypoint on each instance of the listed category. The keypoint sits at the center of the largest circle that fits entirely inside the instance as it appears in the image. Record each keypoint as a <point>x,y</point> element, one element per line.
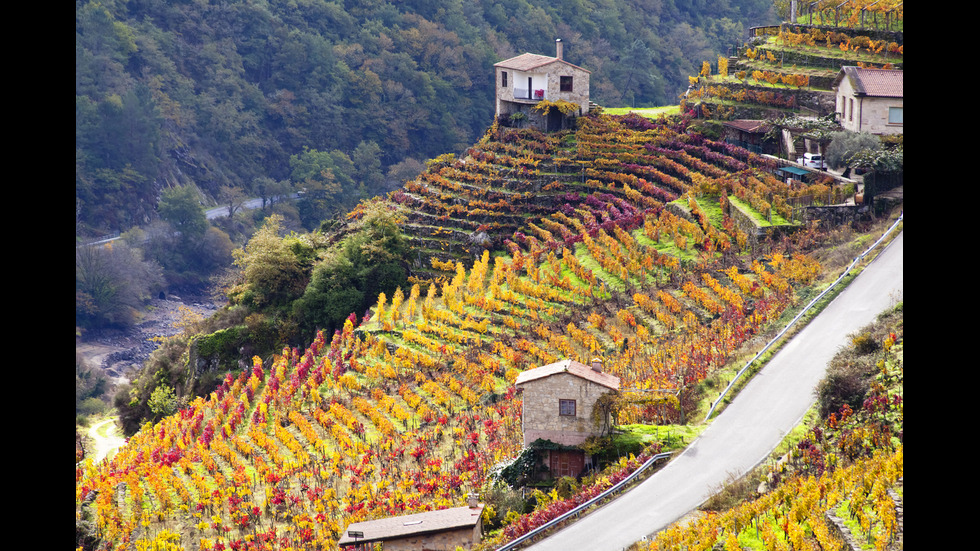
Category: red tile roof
<point>569,366</point>
<point>413,525</point>
<point>748,125</point>
<point>882,83</point>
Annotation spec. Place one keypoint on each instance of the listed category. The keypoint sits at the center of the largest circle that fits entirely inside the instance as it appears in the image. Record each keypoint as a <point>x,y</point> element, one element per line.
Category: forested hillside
<point>248,95</point>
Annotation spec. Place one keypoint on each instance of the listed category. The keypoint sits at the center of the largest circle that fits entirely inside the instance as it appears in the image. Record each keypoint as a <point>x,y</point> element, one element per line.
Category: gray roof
<point>413,525</point>
<point>530,62</point>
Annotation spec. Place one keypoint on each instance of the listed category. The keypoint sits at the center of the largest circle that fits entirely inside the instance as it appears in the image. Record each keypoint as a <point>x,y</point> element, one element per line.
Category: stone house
<point>524,81</point>
<point>443,530</point>
<point>558,400</point>
<point>870,100</point>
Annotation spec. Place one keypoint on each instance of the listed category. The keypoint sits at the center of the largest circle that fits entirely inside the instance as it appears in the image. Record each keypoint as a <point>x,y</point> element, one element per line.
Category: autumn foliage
<point>409,410</point>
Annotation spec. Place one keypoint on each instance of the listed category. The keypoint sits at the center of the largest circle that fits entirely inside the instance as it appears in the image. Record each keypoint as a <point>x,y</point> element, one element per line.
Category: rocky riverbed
<point>120,354</point>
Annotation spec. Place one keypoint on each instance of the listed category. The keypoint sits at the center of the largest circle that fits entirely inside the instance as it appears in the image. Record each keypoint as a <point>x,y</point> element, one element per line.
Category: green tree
<point>163,402</point>
<point>845,144</point>
<point>637,60</point>
<point>212,252</point>
<point>274,269</point>
<point>183,240</point>
<point>234,197</point>
<point>373,259</point>
<point>331,296</point>
<point>181,207</point>
<point>271,191</point>
<point>402,172</point>
<point>326,178</point>
<point>367,168</point>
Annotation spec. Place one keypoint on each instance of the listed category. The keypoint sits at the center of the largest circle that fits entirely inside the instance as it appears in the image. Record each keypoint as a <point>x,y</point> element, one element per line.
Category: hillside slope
<point>627,239</point>
<point>739,440</point>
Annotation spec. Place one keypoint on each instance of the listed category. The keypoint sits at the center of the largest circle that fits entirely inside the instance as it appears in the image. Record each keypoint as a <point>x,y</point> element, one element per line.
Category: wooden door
<point>566,463</point>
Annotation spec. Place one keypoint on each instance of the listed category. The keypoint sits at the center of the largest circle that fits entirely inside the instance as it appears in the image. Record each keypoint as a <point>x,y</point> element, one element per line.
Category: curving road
<point>747,431</point>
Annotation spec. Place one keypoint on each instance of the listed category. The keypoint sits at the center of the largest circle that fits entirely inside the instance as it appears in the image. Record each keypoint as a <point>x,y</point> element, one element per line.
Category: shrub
<point>734,491</point>
<point>844,144</point>
<point>91,406</point>
<point>521,470</point>
<point>844,384</point>
<point>865,344</point>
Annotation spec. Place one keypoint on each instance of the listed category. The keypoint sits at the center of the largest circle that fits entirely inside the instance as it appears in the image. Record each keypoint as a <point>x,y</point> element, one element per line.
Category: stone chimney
<point>473,500</point>
<point>597,365</point>
<point>558,52</point>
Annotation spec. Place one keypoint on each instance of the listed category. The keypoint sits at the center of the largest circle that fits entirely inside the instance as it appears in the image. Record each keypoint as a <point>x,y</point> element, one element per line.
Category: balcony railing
<point>524,93</point>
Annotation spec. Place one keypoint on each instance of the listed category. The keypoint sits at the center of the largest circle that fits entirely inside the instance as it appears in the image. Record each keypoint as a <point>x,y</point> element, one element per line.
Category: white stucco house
<point>870,100</point>
<point>524,81</point>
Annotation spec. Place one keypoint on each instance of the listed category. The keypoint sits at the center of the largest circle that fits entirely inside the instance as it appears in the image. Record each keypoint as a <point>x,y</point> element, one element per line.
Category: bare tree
<point>111,283</point>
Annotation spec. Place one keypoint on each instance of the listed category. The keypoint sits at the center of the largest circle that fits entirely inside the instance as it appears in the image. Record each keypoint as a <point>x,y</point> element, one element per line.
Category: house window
<point>896,115</point>
<point>850,117</point>
<point>566,84</point>
<point>566,408</point>
<point>503,79</point>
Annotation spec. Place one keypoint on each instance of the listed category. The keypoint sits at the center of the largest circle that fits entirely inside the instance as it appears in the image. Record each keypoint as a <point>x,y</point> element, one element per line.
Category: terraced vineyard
<point>792,67</point>
<point>839,486</point>
<point>616,240</point>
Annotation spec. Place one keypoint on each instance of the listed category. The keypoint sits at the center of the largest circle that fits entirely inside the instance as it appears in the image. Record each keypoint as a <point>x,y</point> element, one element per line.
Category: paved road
<point>749,429</point>
<point>218,212</point>
<point>250,204</point>
<point>210,214</point>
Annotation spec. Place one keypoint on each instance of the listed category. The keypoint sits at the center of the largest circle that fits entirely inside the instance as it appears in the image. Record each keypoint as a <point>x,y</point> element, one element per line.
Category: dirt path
<point>106,438</point>
<point>120,355</point>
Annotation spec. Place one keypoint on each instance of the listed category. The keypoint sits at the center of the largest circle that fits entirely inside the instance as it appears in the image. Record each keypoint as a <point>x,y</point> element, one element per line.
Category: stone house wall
<point>447,540</point>
<point>580,86</point>
<point>547,78</point>
<point>541,418</point>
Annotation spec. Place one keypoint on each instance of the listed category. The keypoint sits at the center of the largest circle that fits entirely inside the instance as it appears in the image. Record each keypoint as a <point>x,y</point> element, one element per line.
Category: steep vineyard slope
<point>618,239</point>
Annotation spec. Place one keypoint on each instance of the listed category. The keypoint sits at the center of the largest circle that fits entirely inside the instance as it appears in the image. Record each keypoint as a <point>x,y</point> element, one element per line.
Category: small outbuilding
<point>558,404</point>
<point>445,530</point>
<point>793,173</point>
<point>750,134</point>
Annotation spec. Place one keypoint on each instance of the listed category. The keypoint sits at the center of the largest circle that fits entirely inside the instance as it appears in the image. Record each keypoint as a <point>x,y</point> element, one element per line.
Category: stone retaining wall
<point>757,234</point>
<point>843,533</point>
<point>836,215</point>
